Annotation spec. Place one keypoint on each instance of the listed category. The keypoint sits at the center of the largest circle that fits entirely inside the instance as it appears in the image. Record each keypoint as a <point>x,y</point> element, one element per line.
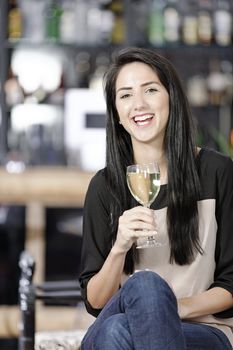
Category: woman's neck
<point>148,152</point>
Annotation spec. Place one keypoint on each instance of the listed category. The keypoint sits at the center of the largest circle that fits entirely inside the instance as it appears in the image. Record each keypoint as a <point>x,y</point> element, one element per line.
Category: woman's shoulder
<point>214,159</point>
<point>214,168</point>
<point>98,186</point>
<point>99,177</point>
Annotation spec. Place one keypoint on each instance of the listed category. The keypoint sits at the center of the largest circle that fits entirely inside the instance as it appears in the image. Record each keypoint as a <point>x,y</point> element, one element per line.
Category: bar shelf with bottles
<point>155,22</point>
<point>72,42</point>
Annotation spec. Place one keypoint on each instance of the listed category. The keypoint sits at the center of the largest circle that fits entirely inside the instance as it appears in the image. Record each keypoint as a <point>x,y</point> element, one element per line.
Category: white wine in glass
<point>143,181</point>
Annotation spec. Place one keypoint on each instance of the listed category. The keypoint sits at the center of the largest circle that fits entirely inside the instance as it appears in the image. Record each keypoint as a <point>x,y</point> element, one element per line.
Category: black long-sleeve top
<point>215,209</point>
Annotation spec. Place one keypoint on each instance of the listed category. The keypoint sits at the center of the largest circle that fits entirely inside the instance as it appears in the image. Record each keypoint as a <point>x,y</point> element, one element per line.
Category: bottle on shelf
<point>172,22</point>
<point>197,91</point>
<point>54,12</point>
<point>156,23</point>
<point>189,24</point>
<point>81,21</point>
<point>14,20</point>
<point>223,23</point>
<point>106,27</point>
<point>216,83</point>
<point>227,70</point>
<point>68,22</point>
<point>33,19</point>
<point>138,32</point>
<point>101,65</point>
<point>82,68</point>
<point>118,30</point>
<point>94,22</point>
<point>204,22</point>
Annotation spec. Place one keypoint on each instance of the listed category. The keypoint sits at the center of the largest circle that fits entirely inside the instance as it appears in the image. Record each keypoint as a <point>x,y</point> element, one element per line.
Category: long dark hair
<point>183,181</point>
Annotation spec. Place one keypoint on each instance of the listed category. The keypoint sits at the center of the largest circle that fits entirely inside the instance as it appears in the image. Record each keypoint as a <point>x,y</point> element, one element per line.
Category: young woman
<point>181,298</point>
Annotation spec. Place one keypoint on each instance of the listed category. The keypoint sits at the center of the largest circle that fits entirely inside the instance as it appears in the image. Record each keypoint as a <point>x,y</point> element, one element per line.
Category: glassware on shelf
<point>33,19</point>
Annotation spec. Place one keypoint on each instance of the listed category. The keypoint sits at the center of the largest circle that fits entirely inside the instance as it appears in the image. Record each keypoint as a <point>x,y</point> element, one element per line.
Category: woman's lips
<point>143,119</point>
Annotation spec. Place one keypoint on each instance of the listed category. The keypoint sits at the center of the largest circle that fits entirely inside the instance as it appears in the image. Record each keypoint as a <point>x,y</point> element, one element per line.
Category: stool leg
<point>26,303</point>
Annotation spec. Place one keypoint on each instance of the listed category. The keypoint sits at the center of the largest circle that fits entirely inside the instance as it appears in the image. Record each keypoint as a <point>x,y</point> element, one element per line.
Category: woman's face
<point>142,103</point>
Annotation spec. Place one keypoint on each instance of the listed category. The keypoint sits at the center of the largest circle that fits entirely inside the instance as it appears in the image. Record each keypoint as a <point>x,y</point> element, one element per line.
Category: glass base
<point>148,243</point>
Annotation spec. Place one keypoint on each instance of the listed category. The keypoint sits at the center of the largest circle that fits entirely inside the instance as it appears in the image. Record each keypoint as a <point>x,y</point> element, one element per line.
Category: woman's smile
<point>142,120</point>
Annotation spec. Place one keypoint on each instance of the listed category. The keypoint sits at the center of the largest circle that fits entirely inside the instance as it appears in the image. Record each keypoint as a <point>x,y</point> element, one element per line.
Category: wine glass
<point>143,181</point>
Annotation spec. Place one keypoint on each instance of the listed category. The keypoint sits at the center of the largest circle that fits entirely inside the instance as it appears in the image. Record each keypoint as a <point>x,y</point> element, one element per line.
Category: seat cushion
<point>68,340</point>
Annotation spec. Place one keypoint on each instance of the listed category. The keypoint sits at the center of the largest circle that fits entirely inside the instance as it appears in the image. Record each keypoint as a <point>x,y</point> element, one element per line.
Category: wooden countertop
<point>37,188</point>
<point>51,186</point>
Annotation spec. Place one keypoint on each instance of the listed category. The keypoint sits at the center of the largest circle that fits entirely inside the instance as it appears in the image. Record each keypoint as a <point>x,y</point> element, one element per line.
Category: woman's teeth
<point>143,120</point>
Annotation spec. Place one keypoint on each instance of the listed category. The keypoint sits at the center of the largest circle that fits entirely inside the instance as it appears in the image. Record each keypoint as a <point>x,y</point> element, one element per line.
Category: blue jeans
<point>143,315</point>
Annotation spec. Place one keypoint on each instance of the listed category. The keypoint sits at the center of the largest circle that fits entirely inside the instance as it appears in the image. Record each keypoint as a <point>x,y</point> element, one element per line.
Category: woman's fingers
<point>134,223</point>
<point>139,214</point>
<point>138,225</point>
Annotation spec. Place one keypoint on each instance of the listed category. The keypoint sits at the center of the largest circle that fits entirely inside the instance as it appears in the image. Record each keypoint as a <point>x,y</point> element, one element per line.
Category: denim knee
<point>148,285</point>
<point>150,281</point>
<point>147,276</point>
<point>113,334</point>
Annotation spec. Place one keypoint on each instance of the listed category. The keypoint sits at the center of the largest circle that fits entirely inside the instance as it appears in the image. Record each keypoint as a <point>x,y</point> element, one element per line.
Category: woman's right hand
<point>134,223</point>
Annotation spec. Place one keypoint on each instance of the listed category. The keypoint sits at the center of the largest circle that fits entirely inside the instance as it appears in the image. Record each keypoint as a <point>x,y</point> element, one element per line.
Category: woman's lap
<point>115,335</point>
<point>119,321</point>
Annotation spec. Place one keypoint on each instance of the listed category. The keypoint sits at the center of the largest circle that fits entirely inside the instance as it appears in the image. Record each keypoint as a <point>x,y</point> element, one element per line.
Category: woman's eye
<point>151,90</point>
<point>124,96</point>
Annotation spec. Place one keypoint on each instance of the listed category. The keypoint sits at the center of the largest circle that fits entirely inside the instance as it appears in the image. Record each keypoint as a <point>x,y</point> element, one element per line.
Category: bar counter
<point>56,186</point>
<point>38,188</point>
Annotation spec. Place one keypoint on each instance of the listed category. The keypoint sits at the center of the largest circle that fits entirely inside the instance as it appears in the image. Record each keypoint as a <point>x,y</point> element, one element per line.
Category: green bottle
<point>53,21</point>
<point>156,23</point>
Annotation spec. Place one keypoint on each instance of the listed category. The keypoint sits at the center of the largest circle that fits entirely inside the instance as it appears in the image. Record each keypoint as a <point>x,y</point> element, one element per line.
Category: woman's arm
<point>104,284</point>
<point>212,301</point>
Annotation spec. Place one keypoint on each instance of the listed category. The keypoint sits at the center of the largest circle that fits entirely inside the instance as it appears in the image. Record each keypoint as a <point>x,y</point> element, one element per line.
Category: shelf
<point>13,43</point>
<point>182,46</point>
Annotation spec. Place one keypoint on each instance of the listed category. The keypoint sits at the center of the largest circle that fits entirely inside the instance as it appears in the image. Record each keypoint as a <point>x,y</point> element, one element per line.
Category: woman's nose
<point>139,102</point>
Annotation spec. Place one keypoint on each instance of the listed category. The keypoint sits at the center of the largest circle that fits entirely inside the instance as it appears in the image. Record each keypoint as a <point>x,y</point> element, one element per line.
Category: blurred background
<point>53,54</point>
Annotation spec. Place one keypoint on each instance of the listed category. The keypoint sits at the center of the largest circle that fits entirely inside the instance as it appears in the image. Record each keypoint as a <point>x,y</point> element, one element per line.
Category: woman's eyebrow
<point>143,84</point>
<point>151,82</point>
<point>123,88</point>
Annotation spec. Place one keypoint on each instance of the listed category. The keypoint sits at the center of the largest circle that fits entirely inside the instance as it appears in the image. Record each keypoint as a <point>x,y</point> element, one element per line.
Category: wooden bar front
<point>37,188</point>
